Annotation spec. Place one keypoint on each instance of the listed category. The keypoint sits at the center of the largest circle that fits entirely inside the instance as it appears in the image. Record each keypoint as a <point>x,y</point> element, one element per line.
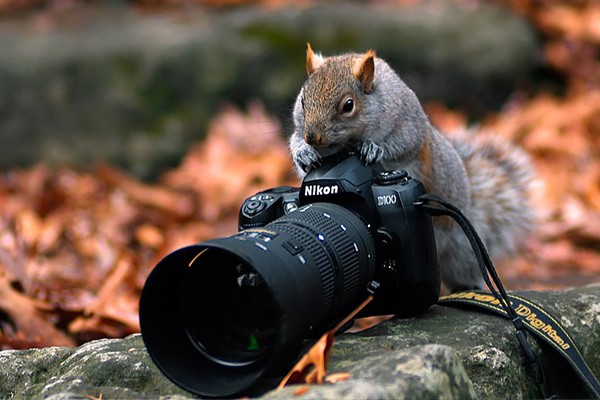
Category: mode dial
<point>392,177</point>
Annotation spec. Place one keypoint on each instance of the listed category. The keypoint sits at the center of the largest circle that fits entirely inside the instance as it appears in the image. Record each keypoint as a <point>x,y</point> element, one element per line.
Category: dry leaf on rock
<point>312,367</point>
<point>337,377</point>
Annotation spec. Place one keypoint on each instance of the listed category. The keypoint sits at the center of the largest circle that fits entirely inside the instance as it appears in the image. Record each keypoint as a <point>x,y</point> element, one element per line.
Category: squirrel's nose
<point>315,138</point>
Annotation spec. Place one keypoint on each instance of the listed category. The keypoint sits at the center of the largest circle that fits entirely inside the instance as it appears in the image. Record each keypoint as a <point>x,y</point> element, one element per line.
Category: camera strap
<point>523,313</point>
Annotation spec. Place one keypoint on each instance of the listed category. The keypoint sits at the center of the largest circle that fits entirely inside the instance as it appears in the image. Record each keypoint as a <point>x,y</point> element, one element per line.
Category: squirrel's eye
<point>347,106</point>
<point>302,102</point>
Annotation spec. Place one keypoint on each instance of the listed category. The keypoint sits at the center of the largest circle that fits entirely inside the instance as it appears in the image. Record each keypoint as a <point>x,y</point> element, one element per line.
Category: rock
<point>444,353</point>
<point>488,347</point>
<point>137,89</point>
<point>115,368</point>
<point>427,371</point>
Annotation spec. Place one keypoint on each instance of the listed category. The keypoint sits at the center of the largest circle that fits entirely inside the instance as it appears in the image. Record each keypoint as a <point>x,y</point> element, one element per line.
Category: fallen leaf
<point>301,390</point>
<point>30,324</point>
<point>312,367</point>
<point>337,377</point>
<point>362,324</point>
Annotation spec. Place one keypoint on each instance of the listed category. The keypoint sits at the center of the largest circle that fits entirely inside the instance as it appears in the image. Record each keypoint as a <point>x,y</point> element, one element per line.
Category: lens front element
<point>228,311</point>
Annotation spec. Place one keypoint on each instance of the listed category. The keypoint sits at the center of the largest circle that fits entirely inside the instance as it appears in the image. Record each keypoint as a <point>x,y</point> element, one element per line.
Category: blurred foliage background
<point>135,83</point>
<point>131,128</point>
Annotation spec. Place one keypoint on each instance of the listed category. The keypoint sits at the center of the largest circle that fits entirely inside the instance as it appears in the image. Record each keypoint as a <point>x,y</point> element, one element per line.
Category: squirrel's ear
<point>364,70</point>
<point>313,61</point>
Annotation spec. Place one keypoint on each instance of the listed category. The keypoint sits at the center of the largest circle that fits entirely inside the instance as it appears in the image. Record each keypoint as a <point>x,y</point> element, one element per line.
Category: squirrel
<point>357,101</point>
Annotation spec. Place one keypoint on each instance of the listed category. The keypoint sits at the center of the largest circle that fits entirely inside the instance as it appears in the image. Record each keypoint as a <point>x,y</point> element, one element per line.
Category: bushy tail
<point>501,179</point>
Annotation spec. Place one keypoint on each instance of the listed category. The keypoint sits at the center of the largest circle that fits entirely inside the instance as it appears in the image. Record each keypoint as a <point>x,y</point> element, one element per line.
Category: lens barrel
<point>218,316</point>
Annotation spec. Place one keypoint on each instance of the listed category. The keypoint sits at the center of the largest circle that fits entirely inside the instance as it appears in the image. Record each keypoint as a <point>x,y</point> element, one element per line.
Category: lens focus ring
<point>326,231</point>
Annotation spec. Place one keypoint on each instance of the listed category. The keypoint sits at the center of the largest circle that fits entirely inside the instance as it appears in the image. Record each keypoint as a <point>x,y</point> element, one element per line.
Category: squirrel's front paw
<point>370,152</point>
<point>307,158</point>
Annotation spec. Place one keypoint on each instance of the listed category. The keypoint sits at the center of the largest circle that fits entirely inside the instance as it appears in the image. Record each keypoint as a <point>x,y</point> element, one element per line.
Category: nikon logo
<point>319,190</point>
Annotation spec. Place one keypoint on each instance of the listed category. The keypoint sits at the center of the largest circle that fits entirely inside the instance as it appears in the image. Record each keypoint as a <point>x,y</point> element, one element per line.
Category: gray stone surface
<point>136,89</point>
<point>115,368</point>
<point>418,372</point>
<point>444,353</point>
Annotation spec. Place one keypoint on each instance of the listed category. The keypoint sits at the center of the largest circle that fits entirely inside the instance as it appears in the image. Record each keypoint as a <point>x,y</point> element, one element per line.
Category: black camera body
<point>407,270</point>
<point>218,316</point>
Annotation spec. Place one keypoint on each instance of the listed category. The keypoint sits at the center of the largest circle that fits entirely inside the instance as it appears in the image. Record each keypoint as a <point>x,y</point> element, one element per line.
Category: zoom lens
<point>219,315</point>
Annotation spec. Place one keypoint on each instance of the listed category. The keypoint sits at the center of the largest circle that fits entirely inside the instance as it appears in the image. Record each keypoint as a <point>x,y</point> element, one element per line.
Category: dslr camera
<point>219,316</point>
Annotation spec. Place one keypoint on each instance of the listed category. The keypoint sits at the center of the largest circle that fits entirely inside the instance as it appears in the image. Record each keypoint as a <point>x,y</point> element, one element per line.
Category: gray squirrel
<point>356,101</point>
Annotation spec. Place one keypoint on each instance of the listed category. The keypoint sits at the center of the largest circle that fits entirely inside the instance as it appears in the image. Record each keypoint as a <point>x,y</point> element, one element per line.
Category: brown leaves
<point>571,20</point>
<point>75,247</point>
<point>572,31</point>
<point>561,135</point>
<point>312,367</point>
<point>242,154</point>
<point>28,327</point>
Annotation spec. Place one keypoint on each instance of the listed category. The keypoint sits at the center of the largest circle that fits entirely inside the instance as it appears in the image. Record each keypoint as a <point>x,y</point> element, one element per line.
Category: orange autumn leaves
<point>76,247</point>
<point>571,32</point>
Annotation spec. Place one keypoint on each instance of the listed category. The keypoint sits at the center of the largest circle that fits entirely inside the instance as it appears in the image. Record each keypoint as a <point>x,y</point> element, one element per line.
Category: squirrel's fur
<point>356,101</point>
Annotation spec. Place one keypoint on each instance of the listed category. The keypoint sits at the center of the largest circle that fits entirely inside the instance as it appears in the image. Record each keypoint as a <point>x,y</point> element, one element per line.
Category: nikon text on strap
<point>538,322</point>
<point>524,314</point>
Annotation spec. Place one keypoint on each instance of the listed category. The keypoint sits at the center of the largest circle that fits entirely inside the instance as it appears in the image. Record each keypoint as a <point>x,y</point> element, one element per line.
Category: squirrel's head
<point>330,107</point>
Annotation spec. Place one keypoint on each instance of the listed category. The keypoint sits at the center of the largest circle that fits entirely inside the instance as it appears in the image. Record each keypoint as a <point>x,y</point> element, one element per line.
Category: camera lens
<point>218,316</point>
<point>241,322</point>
